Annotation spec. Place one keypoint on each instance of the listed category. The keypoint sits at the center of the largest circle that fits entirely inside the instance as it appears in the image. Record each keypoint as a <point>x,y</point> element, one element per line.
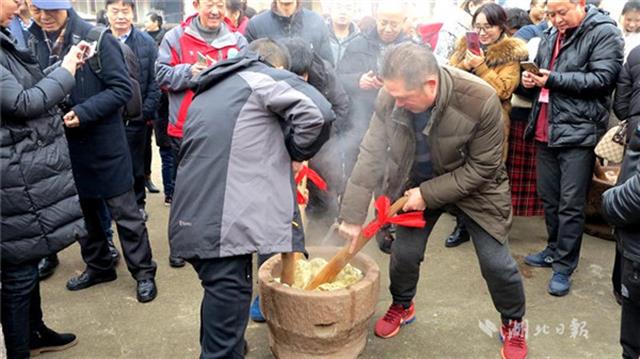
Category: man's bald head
<point>390,18</point>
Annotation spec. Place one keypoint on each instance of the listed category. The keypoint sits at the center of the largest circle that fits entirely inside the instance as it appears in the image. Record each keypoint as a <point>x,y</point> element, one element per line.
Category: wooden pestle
<point>340,260</point>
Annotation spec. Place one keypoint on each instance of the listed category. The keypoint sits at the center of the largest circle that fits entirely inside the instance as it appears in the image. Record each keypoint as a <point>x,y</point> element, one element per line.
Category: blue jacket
<point>145,49</point>
<point>19,33</point>
<point>98,147</point>
<point>528,32</point>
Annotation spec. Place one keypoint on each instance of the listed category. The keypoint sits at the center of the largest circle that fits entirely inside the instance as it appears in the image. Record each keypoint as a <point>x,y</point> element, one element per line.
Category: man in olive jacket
<point>436,137</point>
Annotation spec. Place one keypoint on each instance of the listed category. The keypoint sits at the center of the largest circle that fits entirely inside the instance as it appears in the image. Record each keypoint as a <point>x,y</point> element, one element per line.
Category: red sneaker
<point>514,342</point>
<point>389,325</point>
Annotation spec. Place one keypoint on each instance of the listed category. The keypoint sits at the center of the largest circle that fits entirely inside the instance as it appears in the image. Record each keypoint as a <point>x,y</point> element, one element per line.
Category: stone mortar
<point>313,324</point>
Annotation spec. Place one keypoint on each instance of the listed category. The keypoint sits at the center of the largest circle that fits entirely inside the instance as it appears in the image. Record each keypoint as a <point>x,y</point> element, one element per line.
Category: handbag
<point>611,146</point>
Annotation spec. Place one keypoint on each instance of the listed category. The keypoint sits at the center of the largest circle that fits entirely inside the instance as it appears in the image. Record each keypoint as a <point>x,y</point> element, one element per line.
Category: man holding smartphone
<point>97,147</point>
<point>572,95</point>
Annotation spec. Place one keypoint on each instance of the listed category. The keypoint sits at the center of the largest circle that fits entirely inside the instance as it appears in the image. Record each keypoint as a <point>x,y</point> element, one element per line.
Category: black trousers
<point>616,275</point>
<point>224,313</point>
<point>564,177</point>
<point>148,154</point>
<point>630,326</point>
<point>497,266</point>
<point>132,232</point>
<point>136,136</point>
<point>21,310</point>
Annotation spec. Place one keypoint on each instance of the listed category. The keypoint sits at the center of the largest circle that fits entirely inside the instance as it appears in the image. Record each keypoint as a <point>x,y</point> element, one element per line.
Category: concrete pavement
<point>455,316</point>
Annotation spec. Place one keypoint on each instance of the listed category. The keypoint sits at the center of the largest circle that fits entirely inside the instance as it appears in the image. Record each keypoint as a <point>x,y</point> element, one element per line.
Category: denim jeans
<point>168,160</point>
<point>21,311</point>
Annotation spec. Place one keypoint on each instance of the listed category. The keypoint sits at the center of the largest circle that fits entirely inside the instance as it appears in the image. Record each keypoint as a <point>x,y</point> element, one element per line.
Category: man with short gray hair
<point>571,96</point>
<point>436,138</point>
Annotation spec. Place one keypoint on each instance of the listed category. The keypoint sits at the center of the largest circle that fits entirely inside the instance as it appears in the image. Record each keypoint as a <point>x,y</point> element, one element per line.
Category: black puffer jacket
<point>626,104</point>
<point>303,23</point>
<point>621,204</point>
<point>580,85</point>
<point>363,54</point>
<point>40,208</point>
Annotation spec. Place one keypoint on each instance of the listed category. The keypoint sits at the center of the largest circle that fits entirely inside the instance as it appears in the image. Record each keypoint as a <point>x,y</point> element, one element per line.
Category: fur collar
<point>506,50</point>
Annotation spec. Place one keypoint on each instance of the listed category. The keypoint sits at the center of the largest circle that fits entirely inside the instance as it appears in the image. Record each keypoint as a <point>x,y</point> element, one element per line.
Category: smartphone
<point>88,50</point>
<point>202,60</point>
<point>530,67</point>
<point>473,42</point>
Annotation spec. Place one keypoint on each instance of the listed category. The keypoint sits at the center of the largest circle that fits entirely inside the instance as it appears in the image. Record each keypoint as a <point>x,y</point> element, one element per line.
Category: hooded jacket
<point>464,137</point>
<point>581,82</point>
<point>303,23</point>
<point>178,51</point>
<point>98,147</point>
<point>234,191</point>
<point>40,207</point>
<point>500,69</point>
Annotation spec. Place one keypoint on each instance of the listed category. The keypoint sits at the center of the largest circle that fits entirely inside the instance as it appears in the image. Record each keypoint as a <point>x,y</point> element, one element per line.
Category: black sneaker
<point>46,340</point>
<point>168,200</point>
<point>543,259</point>
<point>47,266</point>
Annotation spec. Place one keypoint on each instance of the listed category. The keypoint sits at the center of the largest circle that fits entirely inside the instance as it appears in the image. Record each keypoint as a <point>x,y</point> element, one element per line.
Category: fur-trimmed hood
<point>506,50</point>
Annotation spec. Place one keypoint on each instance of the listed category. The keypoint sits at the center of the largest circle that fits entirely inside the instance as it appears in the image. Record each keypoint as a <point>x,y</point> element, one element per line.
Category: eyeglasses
<point>485,28</point>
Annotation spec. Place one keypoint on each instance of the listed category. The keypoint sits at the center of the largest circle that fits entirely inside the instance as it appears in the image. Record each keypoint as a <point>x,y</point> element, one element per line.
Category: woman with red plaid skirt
<point>498,63</point>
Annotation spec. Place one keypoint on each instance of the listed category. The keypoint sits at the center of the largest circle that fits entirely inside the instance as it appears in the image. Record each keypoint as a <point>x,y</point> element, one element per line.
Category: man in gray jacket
<point>234,192</point>
<point>436,137</point>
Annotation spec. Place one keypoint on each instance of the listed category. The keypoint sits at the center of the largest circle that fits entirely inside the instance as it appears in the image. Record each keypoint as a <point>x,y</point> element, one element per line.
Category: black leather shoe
<point>46,340</point>
<point>47,266</point>
<point>86,279</point>
<point>150,186</point>
<point>176,262</point>
<point>459,236</point>
<point>146,290</point>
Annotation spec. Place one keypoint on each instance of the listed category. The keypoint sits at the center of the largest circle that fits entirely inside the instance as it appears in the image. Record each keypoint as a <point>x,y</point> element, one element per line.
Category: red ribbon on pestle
<point>409,219</point>
<point>314,177</point>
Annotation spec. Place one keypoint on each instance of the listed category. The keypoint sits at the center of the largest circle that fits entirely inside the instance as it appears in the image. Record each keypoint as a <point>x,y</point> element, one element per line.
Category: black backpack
<point>132,111</point>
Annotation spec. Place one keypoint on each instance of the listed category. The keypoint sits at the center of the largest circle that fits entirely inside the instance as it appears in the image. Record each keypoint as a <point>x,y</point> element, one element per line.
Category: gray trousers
<point>564,177</point>
<point>498,267</point>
